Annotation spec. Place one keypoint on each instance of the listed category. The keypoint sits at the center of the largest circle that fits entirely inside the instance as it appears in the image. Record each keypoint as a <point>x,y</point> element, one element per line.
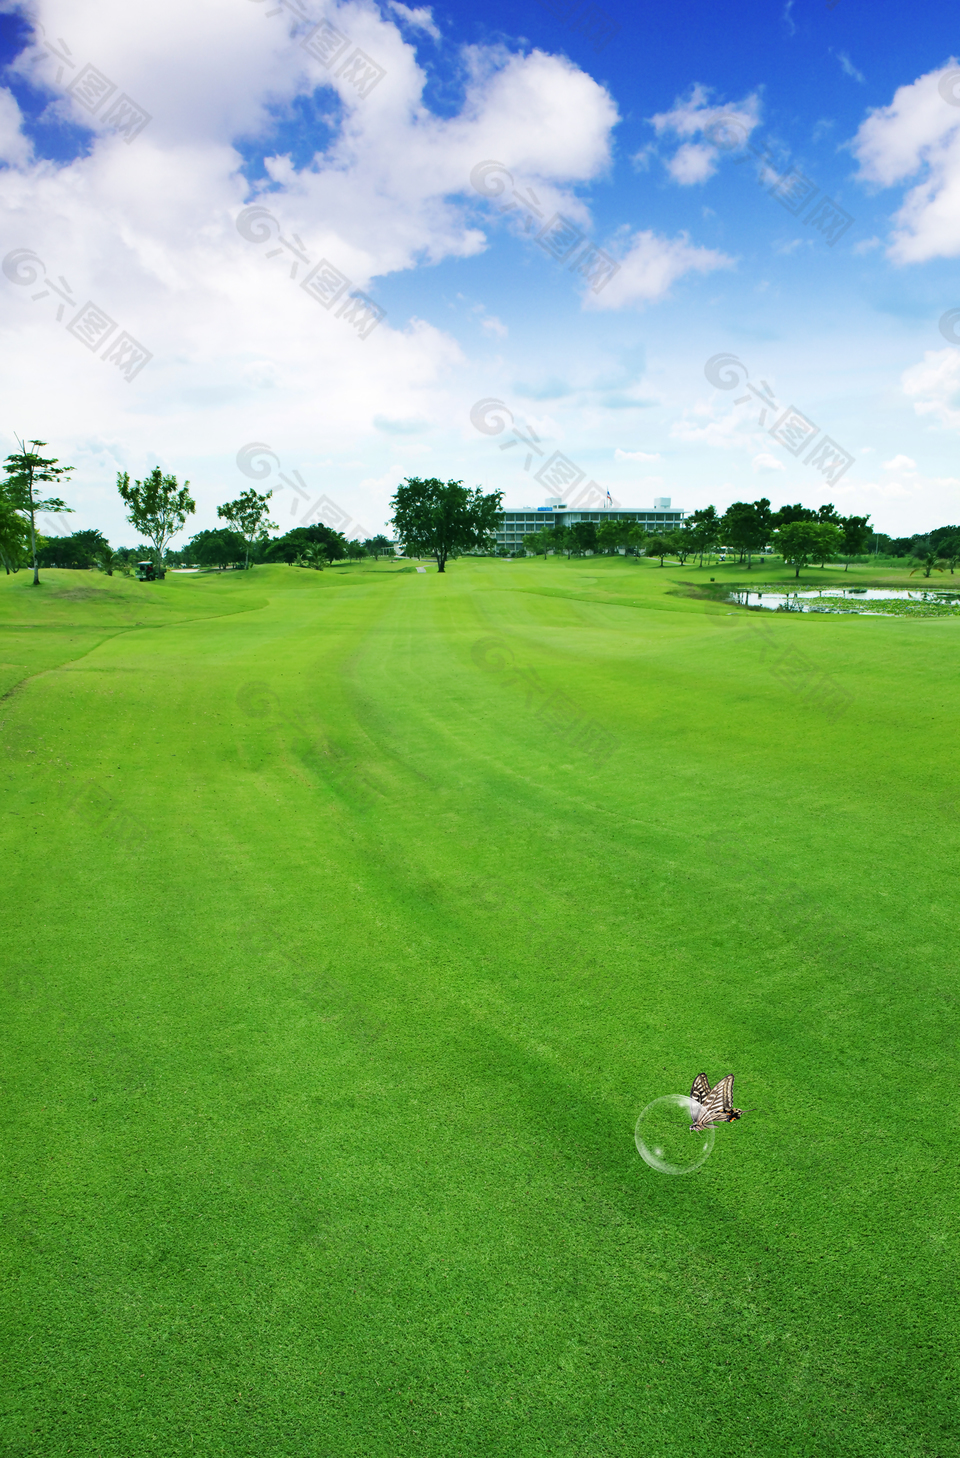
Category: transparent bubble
<point>663,1135</point>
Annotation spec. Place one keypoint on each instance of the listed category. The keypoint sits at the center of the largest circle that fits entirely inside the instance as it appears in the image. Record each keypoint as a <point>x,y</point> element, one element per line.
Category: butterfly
<point>716,1104</point>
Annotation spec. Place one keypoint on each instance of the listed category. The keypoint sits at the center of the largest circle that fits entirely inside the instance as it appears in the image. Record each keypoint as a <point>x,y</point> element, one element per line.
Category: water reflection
<point>831,599</point>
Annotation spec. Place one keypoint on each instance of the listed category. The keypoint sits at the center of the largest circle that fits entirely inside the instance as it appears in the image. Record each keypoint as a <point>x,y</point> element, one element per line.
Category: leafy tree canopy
<point>158,507</point>
<point>249,516</point>
<point>435,518</point>
<point>26,472</point>
<point>79,550</point>
<point>218,548</point>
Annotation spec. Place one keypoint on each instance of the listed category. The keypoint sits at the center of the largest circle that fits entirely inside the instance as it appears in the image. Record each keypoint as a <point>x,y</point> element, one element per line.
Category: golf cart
<point>147,572</point>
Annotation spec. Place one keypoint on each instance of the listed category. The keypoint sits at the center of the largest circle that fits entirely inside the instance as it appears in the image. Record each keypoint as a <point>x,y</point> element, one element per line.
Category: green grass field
<point>350,921</point>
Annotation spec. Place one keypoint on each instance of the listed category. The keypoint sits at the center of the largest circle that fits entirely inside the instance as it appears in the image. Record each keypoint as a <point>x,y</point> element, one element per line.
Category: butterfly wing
<point>725,1089</point>
<point>700,1089</point>
<point>717,1104</point>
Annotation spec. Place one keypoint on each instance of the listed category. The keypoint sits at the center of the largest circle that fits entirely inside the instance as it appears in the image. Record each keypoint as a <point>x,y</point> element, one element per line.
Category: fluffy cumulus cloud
<point>15,148</point>
<point>934,388</point>
<point>917,137</point>
<point>702,131</point>
<point>649,267</point>
<point>248,339</point>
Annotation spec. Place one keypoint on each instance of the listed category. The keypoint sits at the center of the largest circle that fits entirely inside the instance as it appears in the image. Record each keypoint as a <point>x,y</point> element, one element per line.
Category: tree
<point>294,543</point>
<point>659,547</point>
<point>634,537</point>
<point>106,559</point>
<point>746,526</point>
<point>831,541</point>
<point>541,541</point>
<point>950,550</point>
<point>564,540</point>
<point>356,550</point>
<point>334,546</point>
<point>379,546</point>
<point>158,507</point>
<point>439,517</point>
<point>218,548</point>
<point>682,543</point>
<point>706,530</point>
<point>79,550</point>
<point>856,534</point>
<point>14,538</point>
<point>26,470</point>
<point>802,542</point>
<point>612,535</point>
<point>585,536</point>
<point>249,515</point>
<point>929,560</point>
<point>787,515</point>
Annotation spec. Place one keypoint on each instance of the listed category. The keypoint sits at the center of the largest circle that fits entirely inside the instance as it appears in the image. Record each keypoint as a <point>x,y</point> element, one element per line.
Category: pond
<point>875,601</point>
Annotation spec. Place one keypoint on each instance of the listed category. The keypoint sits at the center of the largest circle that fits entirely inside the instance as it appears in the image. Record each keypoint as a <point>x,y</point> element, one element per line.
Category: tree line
<point>431,517</point>
<point>157,508</point>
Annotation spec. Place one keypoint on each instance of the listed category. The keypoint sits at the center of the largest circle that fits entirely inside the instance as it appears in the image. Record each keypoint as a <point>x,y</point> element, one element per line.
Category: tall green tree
<point>705,525</point>
<point>856,535</point>
<point>379,546</point>
<point>802,542</point>
<point>14,538</point>
<point>683,543</point>
<point>585,536</point>
<point>78,550</point>
<point>434,517</point>
<point>26,471</point>
<point>540,542</point>
<point>831,541</point>
<point>746,526</point>
<point>787,515</point>
<point>158,508</point>
<point>220,547</point>
<point>950,551</point>
<point>250,516</point>
<point>658,547</point>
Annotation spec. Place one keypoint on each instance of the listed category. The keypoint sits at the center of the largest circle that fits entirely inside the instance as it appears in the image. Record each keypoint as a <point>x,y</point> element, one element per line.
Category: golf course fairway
<point>350,921</point>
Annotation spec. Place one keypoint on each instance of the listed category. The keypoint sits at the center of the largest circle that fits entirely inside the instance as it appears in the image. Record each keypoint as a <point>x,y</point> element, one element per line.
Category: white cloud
<point>900,463</point>
<point>719,128</point>
<point>15,148</point>
<point>495,326</point>
<point>420,18</point>
<point>650,266</point>
<point>148,231</point>
<point>764,462</point>
<point>620,455</point>
<point>693,162</point>
<point>934,386</point>
<point>849,69</point>
<point>918,134</point>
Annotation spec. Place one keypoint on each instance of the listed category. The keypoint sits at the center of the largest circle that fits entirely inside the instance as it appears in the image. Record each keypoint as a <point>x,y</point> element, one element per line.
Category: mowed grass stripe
<point>369,986</point>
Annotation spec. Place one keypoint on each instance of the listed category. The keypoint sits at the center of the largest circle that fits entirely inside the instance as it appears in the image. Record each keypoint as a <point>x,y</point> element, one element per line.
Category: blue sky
<point>696,150</point>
